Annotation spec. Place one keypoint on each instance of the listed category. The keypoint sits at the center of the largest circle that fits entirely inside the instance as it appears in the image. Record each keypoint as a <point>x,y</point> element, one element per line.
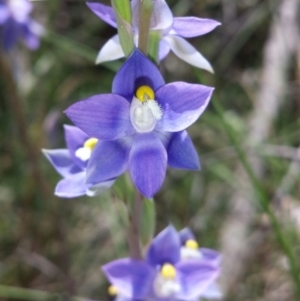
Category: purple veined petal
<point>31,40</point>
<point>147,163</point>
<point>188,27</point>
<point>186,234</point>
<point>109,159</point>
<point>182,153</point>
<point>62,161</point>
<point>4,13</point>
<point>103,116</point>
<point>75,139</point>
<point>132,278</point>
<point>213,291</point>
<point>187,52</point>
<point>195,276</point>
<point>11,32</point>
<point>137,70</point>
<point>163,50</point>
<point>211,256</point>
<point>72,186</point>
<point>111,51</point>
<point>161,19</point>
<point>182,104</point>
<point>165,248</point>
<point>99,188</point>
<point>104,12</point>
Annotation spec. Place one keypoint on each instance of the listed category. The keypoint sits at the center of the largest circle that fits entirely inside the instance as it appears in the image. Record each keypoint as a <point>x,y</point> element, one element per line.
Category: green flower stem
<point>154,38</point>
<point>263,200</point>
<point>12,292</point>
<point>145,9</point>
<point>122,11</point>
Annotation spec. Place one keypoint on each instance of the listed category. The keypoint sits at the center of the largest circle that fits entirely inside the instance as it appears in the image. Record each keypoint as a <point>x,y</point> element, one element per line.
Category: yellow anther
<point>191,244</point>
<point>90,143</point>
<point>112,290</point>
<point>144,93</point>
<point>168,271</point>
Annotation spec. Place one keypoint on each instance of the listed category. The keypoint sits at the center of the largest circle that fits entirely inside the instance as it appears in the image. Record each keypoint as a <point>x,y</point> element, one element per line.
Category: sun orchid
<point>173,30</point>
<point>16,23</point>
<point>141,125</point>
<point>163,275</point>
<point>71,164</point>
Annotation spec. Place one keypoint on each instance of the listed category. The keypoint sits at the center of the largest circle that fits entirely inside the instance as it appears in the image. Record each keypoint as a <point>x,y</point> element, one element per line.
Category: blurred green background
<point>58,245</point>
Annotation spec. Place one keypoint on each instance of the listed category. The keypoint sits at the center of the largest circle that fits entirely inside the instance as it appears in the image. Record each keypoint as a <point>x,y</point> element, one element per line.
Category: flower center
<point>144,110</point>
<point>112,290</point>
<point>191,244</point>
<point>84,153</point>
<point>190,250</point>
<point>165,283</point>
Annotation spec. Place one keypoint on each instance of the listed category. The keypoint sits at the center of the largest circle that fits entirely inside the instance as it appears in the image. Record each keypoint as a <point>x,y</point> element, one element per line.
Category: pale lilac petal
<point>210,255</point>
<point>186,234</point>
<point>182,104</point>
<point>182,153</point>
<point>187,52</point>
<point>165,248</point>
<point>111,51</point>
<point>137,70</point>
<point>189,27</point>
<point>31,40</point>
<point>195,276</point>
<point>132,278</point>
<point>213,291</point>
<point>163,50</point>
<point>20,10</point>
<point>99,188</point>
<point>62,161</point>
<point>75,139</point>
<point>72,186</point>
<point>161,19</point>
<point>4,13</point>
<point>109,159</point>
<point>104,12</point>
<point>103,116</point>
<point>147,163</point>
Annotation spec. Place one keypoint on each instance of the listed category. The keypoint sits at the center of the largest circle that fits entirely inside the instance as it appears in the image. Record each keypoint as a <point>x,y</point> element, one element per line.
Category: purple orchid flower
<point>190,250</point>
<point>141,125</point>
<point>71,164</point>
<point>173,30</point>
<point>16,23</point>
<point>162,276</point>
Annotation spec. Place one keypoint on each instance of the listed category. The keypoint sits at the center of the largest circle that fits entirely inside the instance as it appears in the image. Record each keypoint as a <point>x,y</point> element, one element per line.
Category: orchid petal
<point>182,104</point>
<point>75,139</point>
<point>62,161</point>
<point>163,49</point>
<point>195,276</point>
<point>161,18</point>
<point>147,163</point>
<point>182,153</point>
<point>210,255</point>
<point>137,70</point>
<point>104,12</point>
<point>187,52</point>
<point>10,33</point>
<point>165,248</point>
<point>132,278</point>
<point>111,51</point>
<point>103,116</point>
<point>31,40</point>
<point>4,13</point>
<point>185,235</point>
<point>189,27</point>
<point>109,159</point>
<point>99,188</point>
<point>72,186</point>
<point>213,291</point>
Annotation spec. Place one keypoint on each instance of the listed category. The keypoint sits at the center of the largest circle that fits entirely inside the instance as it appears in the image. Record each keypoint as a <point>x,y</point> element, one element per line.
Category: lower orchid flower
<point>141,125</point>
<point>163,275</point>
<point>71,164</point>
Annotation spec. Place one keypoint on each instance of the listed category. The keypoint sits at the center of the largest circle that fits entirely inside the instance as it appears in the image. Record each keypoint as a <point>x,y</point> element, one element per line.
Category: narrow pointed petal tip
<point>71,187</point>
<point>104,12</point>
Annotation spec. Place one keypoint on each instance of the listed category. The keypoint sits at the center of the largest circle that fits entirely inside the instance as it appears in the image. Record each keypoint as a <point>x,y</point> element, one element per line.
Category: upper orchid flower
<point>173,30</point>
<point>141,125</point>
<point>16,23</point>
<point>162,276</point>
<point>71,164</point>
<point>190,250</point>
